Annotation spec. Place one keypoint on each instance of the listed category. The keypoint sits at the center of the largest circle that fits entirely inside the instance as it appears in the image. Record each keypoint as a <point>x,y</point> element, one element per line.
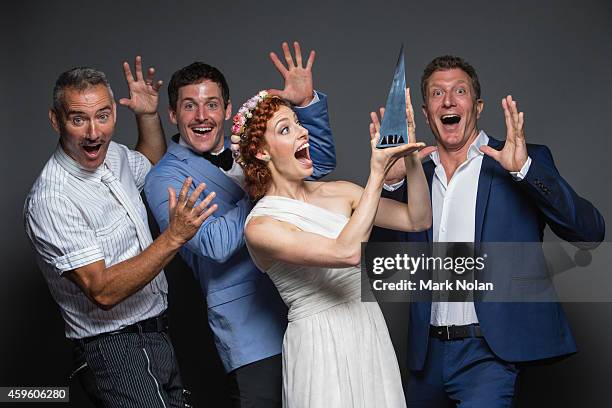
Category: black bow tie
<point>223,160</point>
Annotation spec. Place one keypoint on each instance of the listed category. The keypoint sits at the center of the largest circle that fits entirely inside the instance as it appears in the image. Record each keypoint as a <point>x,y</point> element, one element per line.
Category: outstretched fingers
<point>311,58</point>
<point>150,75</point>
<point>510,130</point>
<point>203,210</point>
<point>373,133</point>
<point>182,198</point>
<point>491,152</point>
<point>278,64</point>
<point>195,195</point>
<point>410,117</point>
<point>287,54</point>
<point>405,149</point>
<point>128,72</point>
<point>375,121</point>
<point>171,199</point>
<point>413,146</point>
<point>521,126</point>
<point>426,151</point>
<point>518,119</point>
<point>138,67</point>
<point>298,53</point>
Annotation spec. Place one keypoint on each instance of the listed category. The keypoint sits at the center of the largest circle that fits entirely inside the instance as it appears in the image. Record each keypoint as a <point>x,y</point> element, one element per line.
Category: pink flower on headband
<point>240,119</point>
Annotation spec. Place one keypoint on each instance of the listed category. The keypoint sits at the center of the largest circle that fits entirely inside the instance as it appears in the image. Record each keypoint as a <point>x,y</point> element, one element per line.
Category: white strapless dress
<point>337,351</point>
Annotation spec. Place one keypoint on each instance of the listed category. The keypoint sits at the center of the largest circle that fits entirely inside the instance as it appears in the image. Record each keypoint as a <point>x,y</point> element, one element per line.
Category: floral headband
<point>244,113</point>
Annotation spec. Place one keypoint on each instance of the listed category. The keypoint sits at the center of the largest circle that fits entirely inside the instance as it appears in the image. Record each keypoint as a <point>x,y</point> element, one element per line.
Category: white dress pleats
<point>337,352</point>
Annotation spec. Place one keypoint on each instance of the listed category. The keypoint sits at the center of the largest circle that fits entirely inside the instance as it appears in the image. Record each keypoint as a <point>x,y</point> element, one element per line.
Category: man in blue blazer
<point>245,312</point>
<point>485,190</point>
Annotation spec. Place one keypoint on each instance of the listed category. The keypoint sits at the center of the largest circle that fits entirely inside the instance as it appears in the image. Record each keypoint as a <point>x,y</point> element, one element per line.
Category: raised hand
<point>398,171</point>
<point>186,217</point>
<point>383,160</point>
<point>298,79</point>
<point>514,154</point>
<point>144,92</point>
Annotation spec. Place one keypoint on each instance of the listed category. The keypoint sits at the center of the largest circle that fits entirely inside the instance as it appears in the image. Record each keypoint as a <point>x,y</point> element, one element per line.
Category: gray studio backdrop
<point>553,57</point>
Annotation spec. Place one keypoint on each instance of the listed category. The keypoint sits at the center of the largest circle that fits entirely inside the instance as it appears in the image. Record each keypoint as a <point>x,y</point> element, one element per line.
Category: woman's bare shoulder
<point>265,220</point>
<point>334,188</point>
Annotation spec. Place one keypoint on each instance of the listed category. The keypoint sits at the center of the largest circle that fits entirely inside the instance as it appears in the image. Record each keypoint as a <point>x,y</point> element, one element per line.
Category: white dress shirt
<point>454,212</point>
<point>75,217</point>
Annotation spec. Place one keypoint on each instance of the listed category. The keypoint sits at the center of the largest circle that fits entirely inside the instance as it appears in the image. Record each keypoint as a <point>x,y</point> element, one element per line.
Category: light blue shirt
<point>245,312</point>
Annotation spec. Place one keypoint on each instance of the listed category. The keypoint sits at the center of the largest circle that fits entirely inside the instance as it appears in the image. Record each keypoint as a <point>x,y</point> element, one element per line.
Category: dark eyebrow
<point>209,99</point>
<point>74,112</point>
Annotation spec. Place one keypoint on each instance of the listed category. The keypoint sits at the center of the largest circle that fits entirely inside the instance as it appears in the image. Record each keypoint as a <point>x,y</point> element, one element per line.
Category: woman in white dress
<point>307,237</point>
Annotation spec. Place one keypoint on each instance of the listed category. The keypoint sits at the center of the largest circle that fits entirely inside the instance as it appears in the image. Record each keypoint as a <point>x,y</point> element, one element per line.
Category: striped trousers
<point>130,370</point>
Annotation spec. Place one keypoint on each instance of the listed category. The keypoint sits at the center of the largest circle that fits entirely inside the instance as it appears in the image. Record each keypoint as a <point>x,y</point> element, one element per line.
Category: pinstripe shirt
<point>75,217</point>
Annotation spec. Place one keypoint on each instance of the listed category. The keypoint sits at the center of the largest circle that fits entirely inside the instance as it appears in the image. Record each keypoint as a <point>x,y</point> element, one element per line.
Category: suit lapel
<point>215,179</point>
<point>216,176</point>
<point>484,188</point>
<point>429,168</point>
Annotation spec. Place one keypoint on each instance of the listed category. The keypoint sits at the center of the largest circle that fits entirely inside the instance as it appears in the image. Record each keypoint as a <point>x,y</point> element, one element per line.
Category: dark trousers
<point>462,373</point>
<point>129,370</point>
<point>257,385</point>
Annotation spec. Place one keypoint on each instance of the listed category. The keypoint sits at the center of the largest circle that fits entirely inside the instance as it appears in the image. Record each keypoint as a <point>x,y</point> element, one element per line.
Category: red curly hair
<point>257,176</point>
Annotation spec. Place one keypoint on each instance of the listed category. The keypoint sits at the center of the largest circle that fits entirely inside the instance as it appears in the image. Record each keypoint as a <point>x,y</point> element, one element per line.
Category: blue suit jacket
<point>245,312</point>
<point>513,211</point>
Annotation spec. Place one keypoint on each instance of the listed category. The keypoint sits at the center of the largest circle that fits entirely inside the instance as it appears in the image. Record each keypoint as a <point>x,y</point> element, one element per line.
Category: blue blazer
<point>245,312</point>
<point>513,211</point>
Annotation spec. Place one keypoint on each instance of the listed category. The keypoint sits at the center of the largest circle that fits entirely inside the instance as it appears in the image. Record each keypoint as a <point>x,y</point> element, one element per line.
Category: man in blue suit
<point>485,190</point>
<point>245,312</point>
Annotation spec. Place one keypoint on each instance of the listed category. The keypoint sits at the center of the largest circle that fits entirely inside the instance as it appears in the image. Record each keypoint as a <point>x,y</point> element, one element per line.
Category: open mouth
<point>450,119</point>
<point>202,130</point>
<point>303,154</point>
<point>92,149</point>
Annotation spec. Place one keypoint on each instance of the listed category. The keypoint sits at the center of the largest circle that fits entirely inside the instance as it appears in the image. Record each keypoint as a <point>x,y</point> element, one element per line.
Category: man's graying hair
<point>79,78</point>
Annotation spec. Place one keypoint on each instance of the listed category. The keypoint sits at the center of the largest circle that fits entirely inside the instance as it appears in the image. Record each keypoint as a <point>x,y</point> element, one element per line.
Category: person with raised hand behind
<point>245,313</point>
<point>88,227</point>
<point>307,235</point>
<point>486,190</point>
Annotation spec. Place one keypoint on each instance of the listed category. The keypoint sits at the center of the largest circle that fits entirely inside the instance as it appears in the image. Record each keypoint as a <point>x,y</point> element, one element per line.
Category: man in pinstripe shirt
<point>88,226</point>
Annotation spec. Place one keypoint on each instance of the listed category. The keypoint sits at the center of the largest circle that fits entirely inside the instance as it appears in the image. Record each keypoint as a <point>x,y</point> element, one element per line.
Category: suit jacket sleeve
<point>315,118</point>
<point>570,216</point>
<point>219,237</point>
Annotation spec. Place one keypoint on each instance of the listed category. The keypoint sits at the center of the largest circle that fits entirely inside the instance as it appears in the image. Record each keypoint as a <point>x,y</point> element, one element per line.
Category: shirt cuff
<point>78,259</point>
<point>315,99</point>
<point>522,173</point>
<point>394,186</point>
